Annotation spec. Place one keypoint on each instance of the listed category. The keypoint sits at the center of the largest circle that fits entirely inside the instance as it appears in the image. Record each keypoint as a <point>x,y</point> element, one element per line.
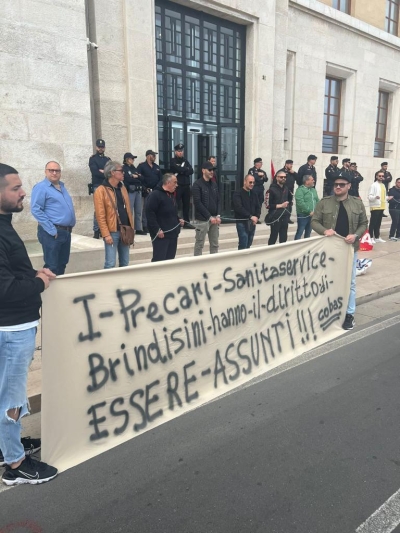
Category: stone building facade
<point>57,96</point>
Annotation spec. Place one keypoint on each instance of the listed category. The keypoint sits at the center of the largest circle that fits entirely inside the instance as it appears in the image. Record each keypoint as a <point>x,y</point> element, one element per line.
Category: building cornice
<point>334,16</point>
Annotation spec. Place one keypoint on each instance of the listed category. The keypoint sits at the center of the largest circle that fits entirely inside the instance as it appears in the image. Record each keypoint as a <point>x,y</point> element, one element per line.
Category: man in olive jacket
<point>343,215</point>
<point>306,199</point>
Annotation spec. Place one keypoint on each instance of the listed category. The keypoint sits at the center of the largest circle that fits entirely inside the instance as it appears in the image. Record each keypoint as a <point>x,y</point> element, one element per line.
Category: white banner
<point>127,349</point>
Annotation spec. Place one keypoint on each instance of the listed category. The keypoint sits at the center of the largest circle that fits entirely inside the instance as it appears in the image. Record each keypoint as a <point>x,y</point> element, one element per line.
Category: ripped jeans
<point>16,354</point>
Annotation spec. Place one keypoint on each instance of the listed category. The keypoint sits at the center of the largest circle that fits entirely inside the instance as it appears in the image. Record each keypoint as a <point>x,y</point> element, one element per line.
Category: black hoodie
<point>20,289</point>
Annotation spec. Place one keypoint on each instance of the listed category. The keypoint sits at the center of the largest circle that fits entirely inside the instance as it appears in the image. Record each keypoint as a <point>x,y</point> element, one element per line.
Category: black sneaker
<point>141,232</point>
<point>30,446</point>
<point>291,221</point>
<point>30,471</point>
<point>349,322</point>
<point>188,226</point>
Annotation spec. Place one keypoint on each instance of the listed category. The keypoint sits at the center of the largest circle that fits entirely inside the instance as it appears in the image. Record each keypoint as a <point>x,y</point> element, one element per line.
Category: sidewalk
<point>380,280</point>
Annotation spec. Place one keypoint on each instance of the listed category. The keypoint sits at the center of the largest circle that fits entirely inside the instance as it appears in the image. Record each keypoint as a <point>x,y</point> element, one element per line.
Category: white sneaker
<point>379,240</point>
<point>373,241</point>
<point>393,239</point>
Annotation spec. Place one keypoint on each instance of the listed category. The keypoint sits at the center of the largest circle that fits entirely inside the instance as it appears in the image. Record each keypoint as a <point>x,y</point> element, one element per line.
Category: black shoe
<point>188,226</point>
<point>146,230</point>
<point>30,446</point>
<point>96,234</point>
<point>349,322</point>
<point>259,222</point>
<point>291,221</point>
<point>141,232</point>
<point>30,471</point>
<point>385,215</point>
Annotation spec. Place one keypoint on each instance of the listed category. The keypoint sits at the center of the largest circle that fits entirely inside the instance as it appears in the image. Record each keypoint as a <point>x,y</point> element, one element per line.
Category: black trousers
<point>395,227</point>
<point>279,228</point>
<point>164,249</point>
<point>183,195</point>
<point>375,223</point>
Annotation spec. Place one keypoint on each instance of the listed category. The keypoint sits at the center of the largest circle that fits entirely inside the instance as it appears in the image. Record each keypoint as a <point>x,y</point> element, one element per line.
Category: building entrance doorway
<point>200,92</point>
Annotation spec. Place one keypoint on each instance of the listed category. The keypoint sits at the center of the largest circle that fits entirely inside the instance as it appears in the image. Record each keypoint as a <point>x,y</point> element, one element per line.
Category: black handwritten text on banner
<point>128,349</point>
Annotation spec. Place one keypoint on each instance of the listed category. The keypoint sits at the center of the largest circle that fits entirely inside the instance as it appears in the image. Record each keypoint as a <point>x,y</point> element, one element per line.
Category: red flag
<point>272,170</point>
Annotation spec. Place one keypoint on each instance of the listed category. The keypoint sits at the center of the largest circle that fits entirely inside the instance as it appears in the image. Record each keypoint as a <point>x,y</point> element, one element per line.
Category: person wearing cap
<point>133,184</point>
<point>206,208</point>
<point>307,169</point>
<point>151,176</point>
<point>111,203</point>
<point>331,173</point>
<point>356,179</point>
<point>345,165</point>
<point>247,211</point>
<point>213,160</point>
<point>53,209</point>
<point>260,177</point>
<point>97,162</point>
<point>291,178</point>
<point>183,171</point>
<point>387,175</point>
<point>163,220</point>
<point>377,204</point>
<point>344,215</point>
<point>277,203</point>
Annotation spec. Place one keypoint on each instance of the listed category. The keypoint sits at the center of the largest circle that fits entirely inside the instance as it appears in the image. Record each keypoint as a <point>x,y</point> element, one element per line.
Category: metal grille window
<point>333,89</point>
<point>174,91</point>
<point>192,42</point>
<point>342,5</point>
<point>392,16</point>
<point>173,36</point>
<point>381,124</point>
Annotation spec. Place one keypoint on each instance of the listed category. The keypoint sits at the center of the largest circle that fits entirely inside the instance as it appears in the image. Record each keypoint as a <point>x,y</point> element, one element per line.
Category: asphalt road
<point>313,449</point>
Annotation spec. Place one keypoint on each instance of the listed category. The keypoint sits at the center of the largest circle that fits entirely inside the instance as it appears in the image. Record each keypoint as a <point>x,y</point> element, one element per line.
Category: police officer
<point>133,184</point>
<point>307,170</point>
<point>183,171</point>
<point>356,179</point>
<point>97,162</point>
<point>346,165</point>
<point>291,177</point>
<point>387,175</point>
<point>151,176</point>
<point>260,177</point>
<point>331,172</point>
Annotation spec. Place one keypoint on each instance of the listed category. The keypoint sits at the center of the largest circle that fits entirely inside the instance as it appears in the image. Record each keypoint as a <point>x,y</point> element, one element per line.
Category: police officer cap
<point>179,147</point>
<point>346,160</point>
<point>334,158</point>
<point>353,164</point>
<point>151,152</point>
<point>100,143</point>
<point>207,166</point>
<point>289,162</point>
<point>312,156</point>
<point>344,176</point>
<point>257,160</point>
<point>384,163</point>
<point>128,155</point>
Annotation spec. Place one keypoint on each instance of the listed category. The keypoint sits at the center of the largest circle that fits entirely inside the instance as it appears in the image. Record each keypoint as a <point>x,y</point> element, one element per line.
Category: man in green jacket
<point>343,215</point>
<point>306,199</point>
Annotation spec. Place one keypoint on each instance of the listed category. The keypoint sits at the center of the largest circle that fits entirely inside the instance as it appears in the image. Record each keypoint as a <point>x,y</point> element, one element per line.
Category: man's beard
<point>7,207</point>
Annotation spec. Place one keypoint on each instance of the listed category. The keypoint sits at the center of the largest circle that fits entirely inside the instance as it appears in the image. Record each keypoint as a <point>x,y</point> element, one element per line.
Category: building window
<point>342,5</point>
<point>333,89</point>
<point>392,16</point>
<point>381,124</point>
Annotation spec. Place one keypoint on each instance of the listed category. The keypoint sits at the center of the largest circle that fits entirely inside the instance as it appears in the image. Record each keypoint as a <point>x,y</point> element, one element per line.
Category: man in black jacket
<point>151,177</point>
<point>97,162</point>
<point>260,177</point>
<point>246,206</point>
<point>331,173</point>
<point>183,171</point>
<point>206,208</point>
<point>277,201</point>
<point>162,219</point>
<point>356,179</point>
<point>307,170</point>
<point>20,302</point>
<point>291,179</point>
<point>134,186</point>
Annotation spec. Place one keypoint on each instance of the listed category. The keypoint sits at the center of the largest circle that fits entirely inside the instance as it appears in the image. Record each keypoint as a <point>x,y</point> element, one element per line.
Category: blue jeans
<point>245,231</point>
<point>351,306</point>
<point>55,251</point>
<point>111,252</point>
<point>303,225</point>
<point>135,199</point>
<point>16,354</point>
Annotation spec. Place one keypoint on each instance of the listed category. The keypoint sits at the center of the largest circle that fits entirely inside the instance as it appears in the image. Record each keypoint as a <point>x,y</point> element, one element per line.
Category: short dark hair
<point>4,171</point>
<point>211,157</point>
